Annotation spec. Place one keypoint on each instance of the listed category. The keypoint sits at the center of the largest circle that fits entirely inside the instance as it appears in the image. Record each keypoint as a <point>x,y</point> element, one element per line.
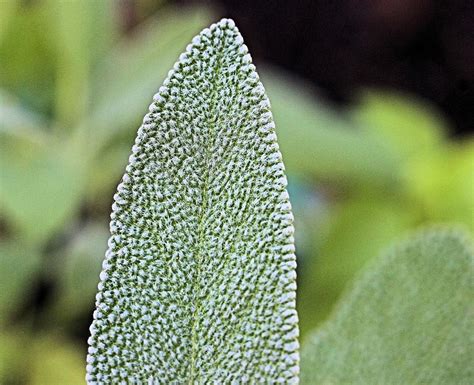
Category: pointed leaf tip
<point>199,282</point>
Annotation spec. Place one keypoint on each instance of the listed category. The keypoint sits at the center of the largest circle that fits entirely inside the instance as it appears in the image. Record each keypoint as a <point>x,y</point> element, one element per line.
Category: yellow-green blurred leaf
<point>7,13</point>
<point>104,177</point>
<point>443,184</point>
<point>40,184</point>
<point>82,30</point>
<point>56,361</point>
<point>27,58</point>
<point>13,363</point>
<point>318,142</point>
<point>406,124</point>
<point>132,72</point>
<point>360,227</point>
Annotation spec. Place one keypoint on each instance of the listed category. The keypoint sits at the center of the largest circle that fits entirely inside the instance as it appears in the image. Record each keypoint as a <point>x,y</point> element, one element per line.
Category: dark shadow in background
<point>425,47</point>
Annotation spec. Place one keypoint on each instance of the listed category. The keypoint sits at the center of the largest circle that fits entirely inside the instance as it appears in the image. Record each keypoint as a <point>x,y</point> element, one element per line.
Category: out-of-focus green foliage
<point>437,173</point>
<point>13,366</point>
<point>76,275</point>
<point>51,170</point>
<point>432,183</point>
<point>54,360</point>
<point>407,320</point>
<point>360,227</point>
<point>18,267</point>
<point>319,143</point>
<point>73,86</point>
<point>40,359</point>
<point>36,180</point>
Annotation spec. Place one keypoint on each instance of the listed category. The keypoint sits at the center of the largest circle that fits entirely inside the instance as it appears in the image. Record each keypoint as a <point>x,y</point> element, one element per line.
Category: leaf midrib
<point>212,134</point>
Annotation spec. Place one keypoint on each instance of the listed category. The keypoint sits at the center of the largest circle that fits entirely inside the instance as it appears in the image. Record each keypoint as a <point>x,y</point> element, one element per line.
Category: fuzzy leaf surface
<point>198,285</point>
<point>408,319</point>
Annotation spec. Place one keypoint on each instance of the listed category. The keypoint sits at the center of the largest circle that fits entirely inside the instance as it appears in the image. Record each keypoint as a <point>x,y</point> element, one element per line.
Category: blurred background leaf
<point>28,58</point>
<point>6,15</point>
<point>40,184</point>
<point>360,227</point>
<point>325,144</point>
<point>407,319</point>
<point>77,270</point>
<point>18,265</point>
<point>80,33</point>
<point>130,72</point>
<point>43,359</point>
<point>55,360</point>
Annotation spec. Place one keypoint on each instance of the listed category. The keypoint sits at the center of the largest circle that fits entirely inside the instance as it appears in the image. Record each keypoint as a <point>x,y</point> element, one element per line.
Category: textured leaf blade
<point>198,284</point>
<point>408,319</point>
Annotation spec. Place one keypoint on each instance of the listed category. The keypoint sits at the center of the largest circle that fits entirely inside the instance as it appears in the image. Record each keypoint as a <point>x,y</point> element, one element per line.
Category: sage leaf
<point>198,283</point>
<point>407,320</point>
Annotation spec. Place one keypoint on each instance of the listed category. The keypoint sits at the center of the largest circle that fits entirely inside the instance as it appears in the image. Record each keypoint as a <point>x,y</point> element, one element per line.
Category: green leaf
<point>7,12</point>
<point>27,58</point>
<point>54,361</point>
<point>408,319</point>
<point>40,187</point>
<point>78,268</point>
<point>17,121</point>
<point>102,179</point>
<point>442,183</point>
<point>198,283</point>
<point>13,365</point>
<point>319,142</point>
<point>122,85</point>
<point>406,124</point>
<point>359,228</point>
<point>18,265</point>
<point>39,359</point>
<point>81,31</point>
<point>128,75</point>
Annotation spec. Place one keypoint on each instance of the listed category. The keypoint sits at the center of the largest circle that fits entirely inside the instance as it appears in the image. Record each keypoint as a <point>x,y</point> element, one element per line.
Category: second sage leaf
<point>407,320</point>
